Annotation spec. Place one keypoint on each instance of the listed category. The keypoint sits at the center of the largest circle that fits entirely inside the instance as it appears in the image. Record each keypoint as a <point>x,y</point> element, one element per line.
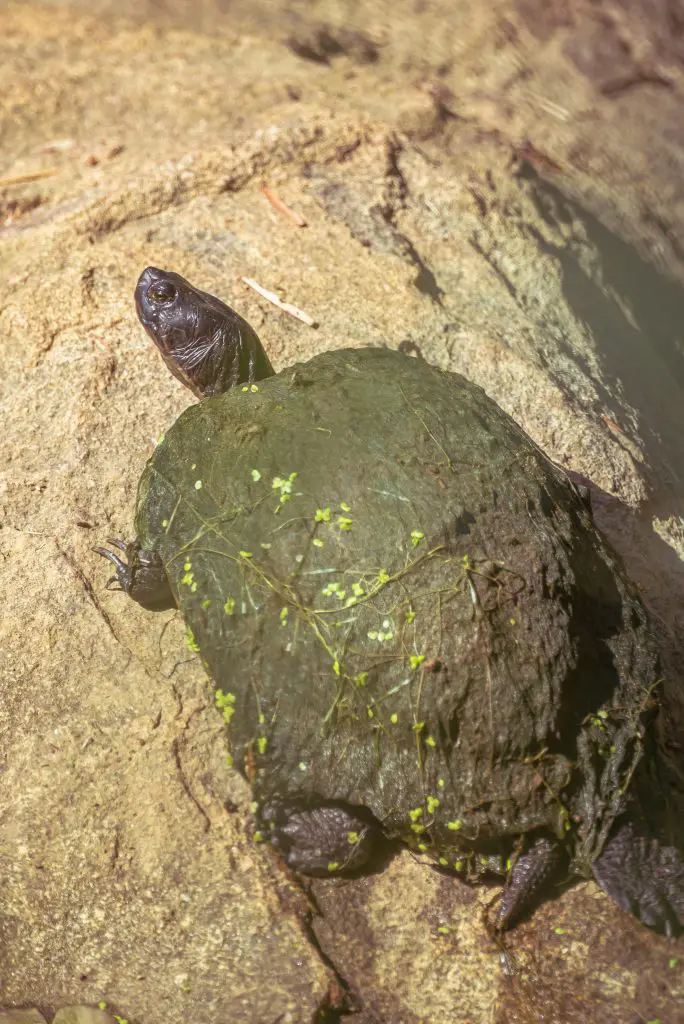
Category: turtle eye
<point>161,291</point>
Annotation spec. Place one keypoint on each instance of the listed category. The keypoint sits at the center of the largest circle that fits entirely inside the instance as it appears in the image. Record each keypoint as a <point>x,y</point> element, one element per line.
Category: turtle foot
<point>530,873</point>
<point>644,877</point>
<point>140,574</point>
<point>323,840</point>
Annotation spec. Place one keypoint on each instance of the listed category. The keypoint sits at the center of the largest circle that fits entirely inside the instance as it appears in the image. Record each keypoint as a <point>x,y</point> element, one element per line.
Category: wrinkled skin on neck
<point>204,343</point>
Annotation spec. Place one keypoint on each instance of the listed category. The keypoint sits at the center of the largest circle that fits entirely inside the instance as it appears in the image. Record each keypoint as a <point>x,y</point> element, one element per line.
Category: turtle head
<point>204,343</point>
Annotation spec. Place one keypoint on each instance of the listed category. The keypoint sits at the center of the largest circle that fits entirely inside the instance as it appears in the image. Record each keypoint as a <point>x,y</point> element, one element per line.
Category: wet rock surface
<point>486,196</point>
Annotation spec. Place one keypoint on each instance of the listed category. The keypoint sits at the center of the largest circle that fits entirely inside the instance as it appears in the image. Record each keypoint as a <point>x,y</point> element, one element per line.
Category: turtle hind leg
<point>323,840</point>
<point>140,574</point>
<point>528,876</point>
<point>644,877</point>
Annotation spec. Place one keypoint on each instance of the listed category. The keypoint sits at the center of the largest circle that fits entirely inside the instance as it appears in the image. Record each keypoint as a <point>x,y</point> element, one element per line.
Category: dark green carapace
<point>406,600</point>
<point>411,625</point>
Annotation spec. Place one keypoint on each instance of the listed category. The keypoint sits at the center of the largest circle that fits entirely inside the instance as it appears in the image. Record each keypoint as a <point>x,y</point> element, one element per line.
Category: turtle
<point>412,626</point>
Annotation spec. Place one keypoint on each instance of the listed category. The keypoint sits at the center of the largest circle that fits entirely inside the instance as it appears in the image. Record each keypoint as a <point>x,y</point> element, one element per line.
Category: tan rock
<point>128,871</point>
<point>21,1017</point>
<point>82,1015</point>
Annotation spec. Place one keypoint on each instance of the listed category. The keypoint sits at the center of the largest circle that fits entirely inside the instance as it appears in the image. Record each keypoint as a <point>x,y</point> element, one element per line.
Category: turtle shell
<point>403,606</point>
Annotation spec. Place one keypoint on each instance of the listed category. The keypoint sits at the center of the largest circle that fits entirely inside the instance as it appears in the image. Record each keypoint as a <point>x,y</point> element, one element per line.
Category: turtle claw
<point>141,575</point>
<point>118,542</point>
<point>124,570</point>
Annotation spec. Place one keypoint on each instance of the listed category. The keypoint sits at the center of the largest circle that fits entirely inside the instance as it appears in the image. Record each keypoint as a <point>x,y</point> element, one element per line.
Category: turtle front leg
<point>322,840</point>
<point>530,873</point>
<point>644,877</point>
<point>141,574</point>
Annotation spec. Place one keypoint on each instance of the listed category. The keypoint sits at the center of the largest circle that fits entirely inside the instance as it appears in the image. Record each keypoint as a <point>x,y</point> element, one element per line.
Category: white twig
<point>286,307</point>
<point>20,179</point>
